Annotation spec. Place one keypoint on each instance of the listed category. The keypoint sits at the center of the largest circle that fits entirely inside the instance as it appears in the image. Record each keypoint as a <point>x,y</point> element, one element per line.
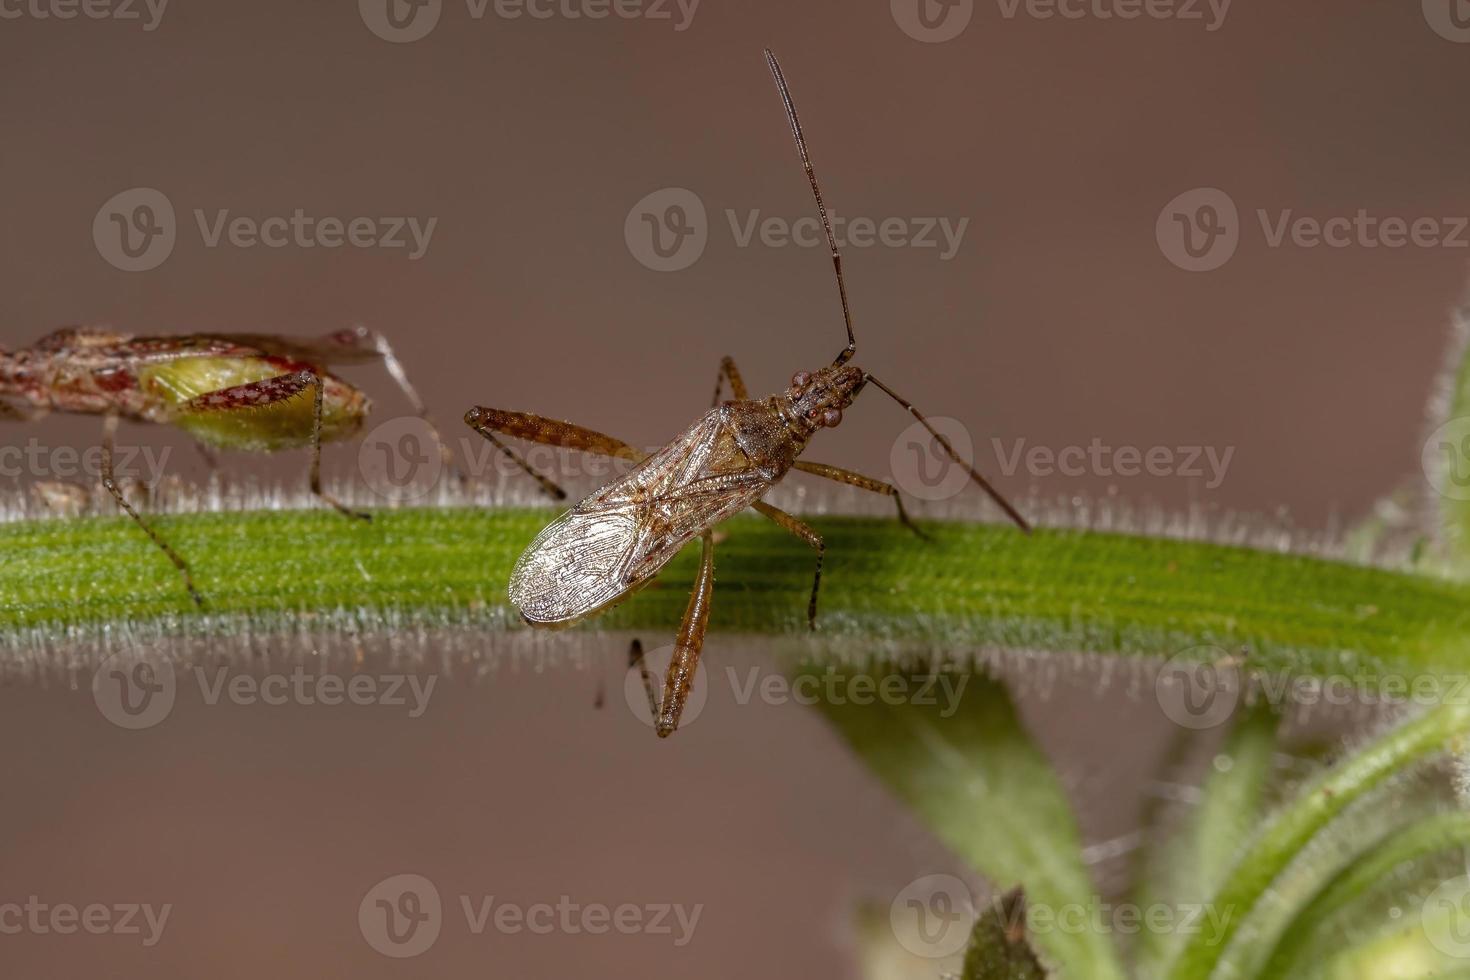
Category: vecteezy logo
<point>135,230</point>
<point>922,468</point>
<point>932,917</point>
<point>401,459</point>
<point>1446,458</point>
<point>636,688</point>
<point>400,21</point>
<point>932,21</point>
<point>1199,688</point>
<point>1450,19</point>
<point>401,915</point>
<point>132,692</point>
<point>667,230</point>
<point>1199,230</point>
<point>1445,917</point>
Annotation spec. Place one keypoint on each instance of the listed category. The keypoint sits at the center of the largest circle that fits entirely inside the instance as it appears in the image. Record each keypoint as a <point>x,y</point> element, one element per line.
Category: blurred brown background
<point>1059,319</point>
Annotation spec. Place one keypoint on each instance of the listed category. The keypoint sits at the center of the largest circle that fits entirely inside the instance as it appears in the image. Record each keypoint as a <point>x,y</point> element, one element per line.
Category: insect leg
<point>688,644</point>
<point>548,432</point>
<point>635,659</point>
<point>737,385</point>
<point>808,535</point>
<point>360,337</point>
<point>109,481</point>
<point>205,453</point>
<point>269,391</point>
<point>980,481</point>
<point>21,413</point>
<point>861,482</point>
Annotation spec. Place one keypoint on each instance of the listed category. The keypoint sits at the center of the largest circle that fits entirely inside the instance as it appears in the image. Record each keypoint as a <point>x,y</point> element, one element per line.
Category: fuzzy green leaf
<point>985,789</point>
<point>1291,828</point>
<point>999,949</point>
<point>1184,871</point>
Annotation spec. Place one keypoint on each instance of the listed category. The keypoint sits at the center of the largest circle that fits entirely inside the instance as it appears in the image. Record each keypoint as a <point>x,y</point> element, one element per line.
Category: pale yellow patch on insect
<point>283,424</point>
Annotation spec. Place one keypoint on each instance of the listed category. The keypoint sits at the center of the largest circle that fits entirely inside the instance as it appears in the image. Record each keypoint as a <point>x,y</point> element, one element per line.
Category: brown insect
<point>616,540</point>
<point>229,391</point>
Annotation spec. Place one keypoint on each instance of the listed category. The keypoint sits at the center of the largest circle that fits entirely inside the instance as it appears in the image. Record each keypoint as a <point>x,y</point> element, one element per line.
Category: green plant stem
<point>1289,831</point>
<point>972,586</point>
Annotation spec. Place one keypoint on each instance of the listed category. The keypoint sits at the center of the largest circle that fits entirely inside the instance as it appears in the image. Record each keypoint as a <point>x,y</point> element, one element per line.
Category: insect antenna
<point>811,177</point>
<point>980,481</point>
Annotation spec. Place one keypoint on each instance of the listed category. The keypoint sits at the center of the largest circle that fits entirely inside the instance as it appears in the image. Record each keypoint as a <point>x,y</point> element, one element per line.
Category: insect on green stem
<point>617,539</point>
<point>227,391</point>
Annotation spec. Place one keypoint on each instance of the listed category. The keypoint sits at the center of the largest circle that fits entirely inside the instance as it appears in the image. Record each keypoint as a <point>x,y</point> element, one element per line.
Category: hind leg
<point>549,432</point>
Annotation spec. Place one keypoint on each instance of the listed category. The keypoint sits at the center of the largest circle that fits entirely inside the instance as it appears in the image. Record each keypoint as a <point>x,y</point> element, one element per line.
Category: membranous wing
<point>618,538</point>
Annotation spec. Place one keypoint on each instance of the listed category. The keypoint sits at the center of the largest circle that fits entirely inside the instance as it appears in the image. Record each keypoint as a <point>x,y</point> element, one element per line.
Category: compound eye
<point>800,379</point>
<point>831,418</point>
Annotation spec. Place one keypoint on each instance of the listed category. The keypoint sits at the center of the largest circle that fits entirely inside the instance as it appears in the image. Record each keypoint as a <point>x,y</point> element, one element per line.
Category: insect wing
<point>575,565</point>
<point>620,536</point>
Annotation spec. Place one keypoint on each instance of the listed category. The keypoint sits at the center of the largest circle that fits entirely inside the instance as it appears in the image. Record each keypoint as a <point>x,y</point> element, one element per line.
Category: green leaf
<point>1373,862</point>
<point>1291,828</point>
<point>985,789</point>
<point>998,947</point>
<point>1184,871</point>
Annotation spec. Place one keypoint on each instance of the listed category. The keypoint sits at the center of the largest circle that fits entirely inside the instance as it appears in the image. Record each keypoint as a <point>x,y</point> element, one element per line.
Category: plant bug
<point>616,540</point>
<point>228,391</point>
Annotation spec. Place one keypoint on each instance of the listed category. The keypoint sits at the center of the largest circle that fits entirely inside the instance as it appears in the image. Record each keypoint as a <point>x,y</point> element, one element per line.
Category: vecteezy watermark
<point>135,692</point>
<point>401,460</point>
<point>932,21</point>
<point>136,230</point>
<point>668,229</point>
<point>148,13</point>
<point>1202,687</point>
<point>1445,917</point>
<point>1450,19</point>
<point>935,21</point>
<point>403,915</point>
<point>933,917</point>
<point>1210,13</point>
<point>1446,458</point>
<point>38,918</point>
<point>405,21</point>
<point>69,463</point>
<point>941,689</point>
<point>1097,458</point>
<point>643,687</point>
<point>922,469</point>
<point>1200,230</point>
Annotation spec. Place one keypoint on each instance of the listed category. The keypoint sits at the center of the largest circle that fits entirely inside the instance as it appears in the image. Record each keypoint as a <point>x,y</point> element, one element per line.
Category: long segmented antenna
<point>811,176</point>
<point>980,481</point>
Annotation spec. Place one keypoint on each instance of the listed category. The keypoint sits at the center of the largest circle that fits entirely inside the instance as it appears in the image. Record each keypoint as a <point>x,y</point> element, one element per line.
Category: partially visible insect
<point>616,540</point>
<point>250,392</point>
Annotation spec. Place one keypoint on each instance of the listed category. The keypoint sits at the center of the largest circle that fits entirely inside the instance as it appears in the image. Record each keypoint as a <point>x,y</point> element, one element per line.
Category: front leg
<point>270,391</point>
<point>808,535</point>
<point>728,370</point>
<point>862,482</point>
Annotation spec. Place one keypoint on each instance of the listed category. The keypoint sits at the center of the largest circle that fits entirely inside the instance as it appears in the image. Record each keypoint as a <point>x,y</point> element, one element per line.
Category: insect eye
<point>812,414</point>
<point>800,379</point>
<point>831,417</point>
